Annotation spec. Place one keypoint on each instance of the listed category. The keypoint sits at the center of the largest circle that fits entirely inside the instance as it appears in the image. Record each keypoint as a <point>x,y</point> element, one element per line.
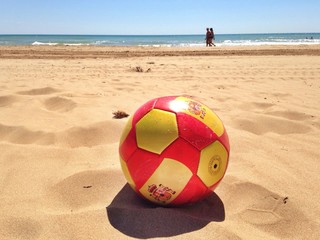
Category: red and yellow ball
<point>174,150</point>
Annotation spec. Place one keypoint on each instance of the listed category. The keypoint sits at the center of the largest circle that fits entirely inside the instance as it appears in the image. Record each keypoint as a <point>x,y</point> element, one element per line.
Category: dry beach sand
<point>60,176</point>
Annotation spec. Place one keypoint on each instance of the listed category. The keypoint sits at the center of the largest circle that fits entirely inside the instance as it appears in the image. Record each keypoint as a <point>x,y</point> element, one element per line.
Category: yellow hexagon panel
<point>200,112</point>
<point>126,130</point>
<point>126,173</point>
<point>213,163</point>
<point>156,130</point>
<point>167,182</point>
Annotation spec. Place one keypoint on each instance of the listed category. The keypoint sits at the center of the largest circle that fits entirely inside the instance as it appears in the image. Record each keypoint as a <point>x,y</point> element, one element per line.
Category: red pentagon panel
<point>143,110</point>
<point>129,145</point>
<point>194,131</point>
<point>195,190</point>
<point>164,103</point>
<point>183,152</point>
<point>141,166</point>
<point>224,139</point>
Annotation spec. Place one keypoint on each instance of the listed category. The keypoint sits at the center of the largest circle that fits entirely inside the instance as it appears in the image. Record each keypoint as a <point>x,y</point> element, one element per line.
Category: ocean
<point>196,40</point>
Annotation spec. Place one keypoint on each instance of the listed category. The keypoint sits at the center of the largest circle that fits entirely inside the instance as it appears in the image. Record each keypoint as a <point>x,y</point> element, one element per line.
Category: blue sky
<point>158,16</point>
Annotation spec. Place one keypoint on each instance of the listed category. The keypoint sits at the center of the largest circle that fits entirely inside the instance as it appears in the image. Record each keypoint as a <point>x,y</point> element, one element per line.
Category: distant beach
<point>195,40</point>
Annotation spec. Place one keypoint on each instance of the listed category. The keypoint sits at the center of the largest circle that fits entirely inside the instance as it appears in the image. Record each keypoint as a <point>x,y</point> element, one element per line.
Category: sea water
<point>195,40</point>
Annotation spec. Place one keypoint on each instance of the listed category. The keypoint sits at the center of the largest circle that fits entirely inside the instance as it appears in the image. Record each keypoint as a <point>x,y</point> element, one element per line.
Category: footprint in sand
<point>96,134</point>
<point>261,119</point>
<point>262,124</point>
<point>22,135</point>
<point>291,115</point>
<point>86,188</point>
<point>266,210</point>
<point>7,100</point>
<point>20,228</point>
<point>254,106</point>
<point>278,216</point>
<point>39,91</point>
<point>59,104</point>
<point>89,136</point>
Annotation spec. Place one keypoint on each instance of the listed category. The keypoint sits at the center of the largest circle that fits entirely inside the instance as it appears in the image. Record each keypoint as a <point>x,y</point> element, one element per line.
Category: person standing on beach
<point>212,37</point>
<point>208,36</point>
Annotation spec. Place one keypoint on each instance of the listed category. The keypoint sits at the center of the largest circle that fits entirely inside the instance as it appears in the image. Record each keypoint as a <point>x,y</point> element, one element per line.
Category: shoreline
<point>84,52</point>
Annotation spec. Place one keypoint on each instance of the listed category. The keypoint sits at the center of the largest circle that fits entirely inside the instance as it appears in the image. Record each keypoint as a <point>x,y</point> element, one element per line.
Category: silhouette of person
<point>208,36</point>
<point>212,38</point>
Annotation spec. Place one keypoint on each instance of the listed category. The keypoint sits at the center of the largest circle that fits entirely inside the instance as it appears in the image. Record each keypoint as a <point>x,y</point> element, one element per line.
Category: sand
<point>60,175</point>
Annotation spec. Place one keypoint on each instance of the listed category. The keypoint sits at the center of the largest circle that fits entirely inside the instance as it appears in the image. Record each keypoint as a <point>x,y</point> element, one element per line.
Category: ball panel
<point>166,183</point>
<point>156,130</point>
<point>127,174</point>
<point>200,112</point>
<point>194,131</point>
<point>128,146</point>
<point>183,152</point>
<point>142,165</point>
<point>164,103</point>
<point>224,139</point>
<point>143,110</point>
<point>194,191</point>
<point>126,130</point>
<point>213,163</point>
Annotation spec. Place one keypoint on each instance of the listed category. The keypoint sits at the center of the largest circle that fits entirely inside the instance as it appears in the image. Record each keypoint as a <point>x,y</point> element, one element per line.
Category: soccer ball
<point>174,150</point>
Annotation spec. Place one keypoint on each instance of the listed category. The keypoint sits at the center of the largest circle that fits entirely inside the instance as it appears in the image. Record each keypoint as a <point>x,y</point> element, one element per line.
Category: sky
<point>127,17</point>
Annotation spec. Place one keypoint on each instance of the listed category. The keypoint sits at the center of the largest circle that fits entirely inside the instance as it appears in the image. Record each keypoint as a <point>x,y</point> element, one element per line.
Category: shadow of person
<point>138,218</point>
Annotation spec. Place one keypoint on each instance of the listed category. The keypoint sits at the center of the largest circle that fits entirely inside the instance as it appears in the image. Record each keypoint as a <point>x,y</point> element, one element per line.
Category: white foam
<point>271,42</point>
<point>76,44</point>
<point>36,43</point>
<point>228,42</point>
